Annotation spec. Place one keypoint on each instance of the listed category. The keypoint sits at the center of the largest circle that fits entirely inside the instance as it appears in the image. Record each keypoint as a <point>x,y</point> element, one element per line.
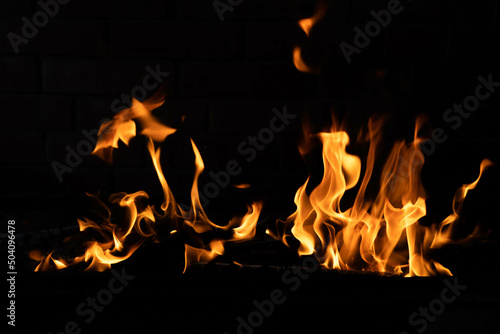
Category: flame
<point>378,233</point>
<point>114,239</point>
<point>307,24</point>
<point>122,127</point>
<point>242,186</point>
<point>442,234</point>
<point>243,228</point>
<point>299,62</point>
<point>382,234</point>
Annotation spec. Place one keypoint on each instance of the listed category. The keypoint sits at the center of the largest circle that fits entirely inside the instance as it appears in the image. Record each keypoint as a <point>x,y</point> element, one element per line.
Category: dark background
<point>226,77</point>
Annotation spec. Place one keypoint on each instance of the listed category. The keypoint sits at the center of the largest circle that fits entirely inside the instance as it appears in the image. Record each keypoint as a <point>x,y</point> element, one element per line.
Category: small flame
<point>443,235</point>
<point>122,127</point>
<point>242,186</point>
<point>307,24</point>
<point>299,62</point>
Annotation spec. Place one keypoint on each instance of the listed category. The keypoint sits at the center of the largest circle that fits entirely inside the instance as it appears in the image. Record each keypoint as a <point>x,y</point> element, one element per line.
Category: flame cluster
<point>114,242</point>
<point>383,234</point>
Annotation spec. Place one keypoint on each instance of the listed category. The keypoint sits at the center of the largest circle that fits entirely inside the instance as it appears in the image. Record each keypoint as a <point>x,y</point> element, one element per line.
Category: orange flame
<point>122,127</point>
<point>307,24</point>
<point>383,234</point>
<point>380,234</point>
<point>115,242</point>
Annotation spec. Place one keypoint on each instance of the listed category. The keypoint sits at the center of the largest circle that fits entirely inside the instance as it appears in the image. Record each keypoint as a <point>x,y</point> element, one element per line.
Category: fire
<point>122,127</point>
<point>379,233</point>
<point>114,239</point>
<point>382,234</point>
<point>307,24</point>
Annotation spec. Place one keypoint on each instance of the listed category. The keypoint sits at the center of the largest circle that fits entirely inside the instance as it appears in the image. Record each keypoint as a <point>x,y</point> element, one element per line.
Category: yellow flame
<point>307,24</point>
<point>382,234</point>
<point>137,221</point>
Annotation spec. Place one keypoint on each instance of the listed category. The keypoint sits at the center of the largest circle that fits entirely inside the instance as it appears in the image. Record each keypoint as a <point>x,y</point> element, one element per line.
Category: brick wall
<point>226,78</point>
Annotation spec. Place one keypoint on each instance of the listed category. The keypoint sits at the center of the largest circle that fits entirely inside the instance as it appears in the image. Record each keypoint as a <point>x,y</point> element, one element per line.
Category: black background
<point>225,78</point>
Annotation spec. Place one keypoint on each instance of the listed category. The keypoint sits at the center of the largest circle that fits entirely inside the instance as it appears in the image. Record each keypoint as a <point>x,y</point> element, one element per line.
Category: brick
<point>91,111</point>
<point>77,76</point>
<point>360,10</point>
<point>270,10</point>
<point>177,153</point>
<point>37,112</point>
<point>15,9</point>
<point>209,78</point>
<point>197,10</point>
<point>29,181</point>
<point>281,10</point>
<point>130,180</point>
<point>248,116</point>
<point>447,12</point>
<point>78,143</point>
<point>339,81</point>
<point>150,9</point>
<point>19,74</point>
<point>324,45</point>
<point>489,118</point>
<point>417,44</point>
<point>96,76</point>
<point>263,79</point>
<point>14,26</point>
<point>246,10</point>
<point>290,160</point>
<point>336,12</point>
<point>475,13</point>
<point>215,41</point>
<point>91,180</point>
<point>446,84</point>
<point>474,44</point>
<point>150,38</point>
<point>186,115</point>
<point>132,155</point>
<point>265,160</point>
<point>456,159</point>
<point>427,12</point>
<point>413,13</point>
<point>72,37</point>
<point>272,40</point>
<point>22,147</point>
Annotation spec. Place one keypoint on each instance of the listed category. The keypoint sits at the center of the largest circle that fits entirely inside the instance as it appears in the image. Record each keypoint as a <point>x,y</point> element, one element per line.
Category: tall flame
<point>383,234</point>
